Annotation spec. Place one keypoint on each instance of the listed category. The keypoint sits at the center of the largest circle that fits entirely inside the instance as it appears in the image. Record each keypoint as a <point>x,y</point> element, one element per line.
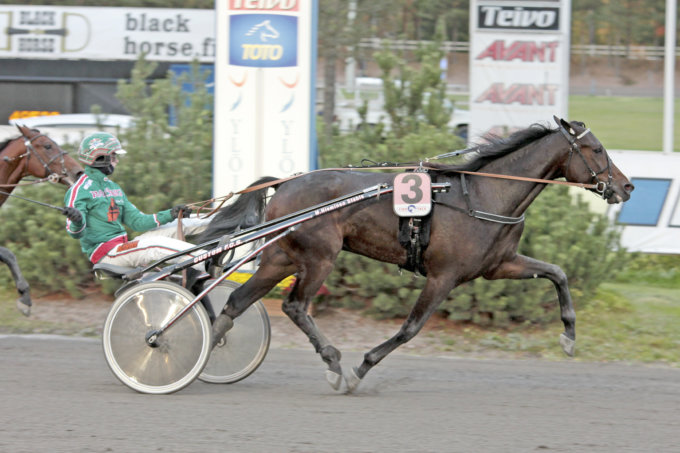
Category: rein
<point>598,186</point>
<point>415,167</point>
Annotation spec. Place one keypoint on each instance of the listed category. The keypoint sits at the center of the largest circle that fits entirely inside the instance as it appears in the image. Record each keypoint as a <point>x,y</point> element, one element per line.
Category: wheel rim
<point>181,351</point>
<point>244,346</point>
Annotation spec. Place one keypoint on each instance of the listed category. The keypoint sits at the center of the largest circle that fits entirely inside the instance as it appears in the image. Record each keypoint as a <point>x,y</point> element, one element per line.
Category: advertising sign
<point>63,32</point>
<point>519,64</point>
<point>264,100</point>
<point>651,218</point>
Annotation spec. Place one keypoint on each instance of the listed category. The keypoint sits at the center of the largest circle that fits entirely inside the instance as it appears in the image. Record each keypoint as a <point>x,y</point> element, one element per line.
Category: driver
<point>97,212</point>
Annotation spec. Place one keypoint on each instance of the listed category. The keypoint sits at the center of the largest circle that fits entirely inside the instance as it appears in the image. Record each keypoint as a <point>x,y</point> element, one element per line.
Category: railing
<point>595,50</point>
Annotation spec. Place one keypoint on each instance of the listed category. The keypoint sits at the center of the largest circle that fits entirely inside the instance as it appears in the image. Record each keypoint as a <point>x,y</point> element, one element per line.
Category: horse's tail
<point>247,211</point>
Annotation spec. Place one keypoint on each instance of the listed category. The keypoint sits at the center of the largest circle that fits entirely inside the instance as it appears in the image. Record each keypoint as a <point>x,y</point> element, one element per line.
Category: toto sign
<point>263,40</point>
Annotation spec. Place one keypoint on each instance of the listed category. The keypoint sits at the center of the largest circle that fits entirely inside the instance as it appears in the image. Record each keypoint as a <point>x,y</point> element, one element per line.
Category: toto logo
<point>263,40</point>
<point>518,18</point>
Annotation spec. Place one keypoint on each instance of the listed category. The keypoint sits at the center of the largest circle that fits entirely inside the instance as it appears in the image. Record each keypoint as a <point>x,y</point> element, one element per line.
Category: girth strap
<point>479,214</point>
<point>414,236</point>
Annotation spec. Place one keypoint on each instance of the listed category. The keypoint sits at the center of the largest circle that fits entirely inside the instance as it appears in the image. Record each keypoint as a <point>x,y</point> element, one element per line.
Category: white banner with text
<point>519,64</point>
<point>93,33</point>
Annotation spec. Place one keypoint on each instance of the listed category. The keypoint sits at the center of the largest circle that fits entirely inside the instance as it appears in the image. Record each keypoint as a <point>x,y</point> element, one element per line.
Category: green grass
<point>625,122</point>
<point>623,323</point>
<point>13,322</point>
<point>619,122</point>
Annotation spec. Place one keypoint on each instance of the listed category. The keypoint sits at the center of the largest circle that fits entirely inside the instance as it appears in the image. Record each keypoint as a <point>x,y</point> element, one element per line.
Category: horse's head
<point>45,159</point>
<point>588,163</point>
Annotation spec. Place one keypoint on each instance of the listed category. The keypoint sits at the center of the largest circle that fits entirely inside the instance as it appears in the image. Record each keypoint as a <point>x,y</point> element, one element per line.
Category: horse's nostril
<point>629,187</point>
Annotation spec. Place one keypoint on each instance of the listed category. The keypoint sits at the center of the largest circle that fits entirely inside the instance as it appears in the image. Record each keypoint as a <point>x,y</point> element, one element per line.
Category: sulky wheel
<point>178,355</point>
<point>244,346</point>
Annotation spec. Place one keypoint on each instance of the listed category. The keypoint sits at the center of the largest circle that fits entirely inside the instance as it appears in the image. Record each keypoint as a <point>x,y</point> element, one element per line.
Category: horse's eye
<point>597,150</point>
<point>48,146</point>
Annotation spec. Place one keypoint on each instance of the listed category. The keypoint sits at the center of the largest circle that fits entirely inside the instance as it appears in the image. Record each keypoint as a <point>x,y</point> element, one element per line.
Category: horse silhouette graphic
<point>265,29</point>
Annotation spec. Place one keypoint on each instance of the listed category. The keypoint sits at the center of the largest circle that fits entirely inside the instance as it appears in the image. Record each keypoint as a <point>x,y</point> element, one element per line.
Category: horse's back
<point>368,227</point>
<point>318,187</point>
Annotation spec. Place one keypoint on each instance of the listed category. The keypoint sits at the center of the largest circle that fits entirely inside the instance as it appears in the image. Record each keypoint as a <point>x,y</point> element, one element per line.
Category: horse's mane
<point>497,147</point>
<point>4,144</point>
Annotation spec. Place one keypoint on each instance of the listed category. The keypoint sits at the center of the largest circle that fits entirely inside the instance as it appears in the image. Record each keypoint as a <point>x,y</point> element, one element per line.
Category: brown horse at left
<point>31,154</point>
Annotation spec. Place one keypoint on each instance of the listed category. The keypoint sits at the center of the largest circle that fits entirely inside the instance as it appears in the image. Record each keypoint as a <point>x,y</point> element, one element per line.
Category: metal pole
<point>350,63</point>
<point>669,77</point>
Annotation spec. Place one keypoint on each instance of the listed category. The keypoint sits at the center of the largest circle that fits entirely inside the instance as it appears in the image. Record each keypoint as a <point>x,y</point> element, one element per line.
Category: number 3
<point>415,183</point>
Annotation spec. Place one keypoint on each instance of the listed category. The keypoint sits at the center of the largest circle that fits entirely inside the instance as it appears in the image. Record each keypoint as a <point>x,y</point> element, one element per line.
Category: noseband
<point>30,150</point>
<point>602,187</point>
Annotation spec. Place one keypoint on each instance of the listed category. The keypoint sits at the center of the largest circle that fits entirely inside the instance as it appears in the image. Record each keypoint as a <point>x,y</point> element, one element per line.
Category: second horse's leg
<point>296,307</point>
<point>24,302</point>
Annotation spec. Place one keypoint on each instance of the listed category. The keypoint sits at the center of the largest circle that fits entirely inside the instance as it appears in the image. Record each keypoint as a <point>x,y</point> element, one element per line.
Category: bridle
<point>601,187</point>
<point>50,175</point>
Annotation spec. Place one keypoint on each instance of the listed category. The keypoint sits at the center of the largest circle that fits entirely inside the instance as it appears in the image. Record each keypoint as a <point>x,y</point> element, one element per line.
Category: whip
<point>33,201</point>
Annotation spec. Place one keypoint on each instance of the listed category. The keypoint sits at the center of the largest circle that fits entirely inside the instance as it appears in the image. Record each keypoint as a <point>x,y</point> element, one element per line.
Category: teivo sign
<point>263,40</point>
<point>517,17</point>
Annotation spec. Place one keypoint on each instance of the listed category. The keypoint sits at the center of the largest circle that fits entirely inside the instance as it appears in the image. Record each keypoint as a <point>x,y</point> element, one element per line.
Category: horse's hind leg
<point>275,266</point>
<point>24,302</point>
<point>434,292</point>
<point>523,267</point>
<point>296,307</point>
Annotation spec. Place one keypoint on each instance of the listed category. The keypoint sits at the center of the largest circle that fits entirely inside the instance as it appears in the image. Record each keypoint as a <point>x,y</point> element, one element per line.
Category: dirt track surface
<point>58,395</point>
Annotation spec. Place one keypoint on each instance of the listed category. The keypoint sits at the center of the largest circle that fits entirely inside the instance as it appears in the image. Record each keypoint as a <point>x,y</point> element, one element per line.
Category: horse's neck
<point>539,160</point>
<point>11,171</point>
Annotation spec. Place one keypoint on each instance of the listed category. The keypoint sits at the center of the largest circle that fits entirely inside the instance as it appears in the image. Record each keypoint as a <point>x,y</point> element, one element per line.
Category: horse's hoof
<point>24,308</point>
<point>352,379</point>
<point>567,345</point>
<point>334,379</point>
<point>220,327</point>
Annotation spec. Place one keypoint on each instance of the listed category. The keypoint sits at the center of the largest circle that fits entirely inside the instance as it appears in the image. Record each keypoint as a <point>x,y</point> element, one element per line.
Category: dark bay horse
<point>31,154</point>
<point>462,247</point>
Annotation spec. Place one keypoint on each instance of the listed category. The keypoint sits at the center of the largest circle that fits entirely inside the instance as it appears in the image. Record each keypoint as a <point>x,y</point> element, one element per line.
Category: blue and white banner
<point>651,218</point>
<point>263,40</point>
<point>264,97</point>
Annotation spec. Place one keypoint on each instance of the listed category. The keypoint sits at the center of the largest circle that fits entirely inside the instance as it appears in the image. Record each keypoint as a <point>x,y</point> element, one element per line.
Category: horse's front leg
<point>429,299</point>
<point>24,302</point>
<point>523,267</point>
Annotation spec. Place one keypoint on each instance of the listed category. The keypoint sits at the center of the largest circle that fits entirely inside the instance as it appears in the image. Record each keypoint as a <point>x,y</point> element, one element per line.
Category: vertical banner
<point>265,70</point>
<point>519,64</point>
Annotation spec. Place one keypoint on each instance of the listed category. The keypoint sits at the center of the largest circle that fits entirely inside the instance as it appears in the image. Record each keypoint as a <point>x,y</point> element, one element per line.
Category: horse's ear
<point>564,124</point>
<point>22,129</point>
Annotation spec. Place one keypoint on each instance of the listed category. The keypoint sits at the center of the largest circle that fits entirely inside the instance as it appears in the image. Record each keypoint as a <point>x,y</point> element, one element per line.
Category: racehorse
<point>465,243</point>
<point>31,153</point>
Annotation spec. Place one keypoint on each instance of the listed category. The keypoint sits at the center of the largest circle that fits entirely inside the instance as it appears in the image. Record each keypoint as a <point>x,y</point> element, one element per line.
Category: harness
<point>601,187</point>
<point>414,232</point>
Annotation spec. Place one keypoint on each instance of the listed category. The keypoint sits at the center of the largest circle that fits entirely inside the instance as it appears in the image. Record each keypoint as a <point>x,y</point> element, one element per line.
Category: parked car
<point>72,128</point>
<point>369,90</point>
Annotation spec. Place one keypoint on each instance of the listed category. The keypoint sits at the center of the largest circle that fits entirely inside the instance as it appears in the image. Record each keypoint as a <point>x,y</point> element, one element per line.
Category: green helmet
<point>96,145</point>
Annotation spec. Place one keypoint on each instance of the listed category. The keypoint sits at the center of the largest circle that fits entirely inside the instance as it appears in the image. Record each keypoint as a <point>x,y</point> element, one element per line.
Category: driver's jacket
<point>105,210</point>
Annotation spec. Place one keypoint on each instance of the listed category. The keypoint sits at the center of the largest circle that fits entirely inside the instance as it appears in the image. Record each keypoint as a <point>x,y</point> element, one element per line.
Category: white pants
<point>149,247</point>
